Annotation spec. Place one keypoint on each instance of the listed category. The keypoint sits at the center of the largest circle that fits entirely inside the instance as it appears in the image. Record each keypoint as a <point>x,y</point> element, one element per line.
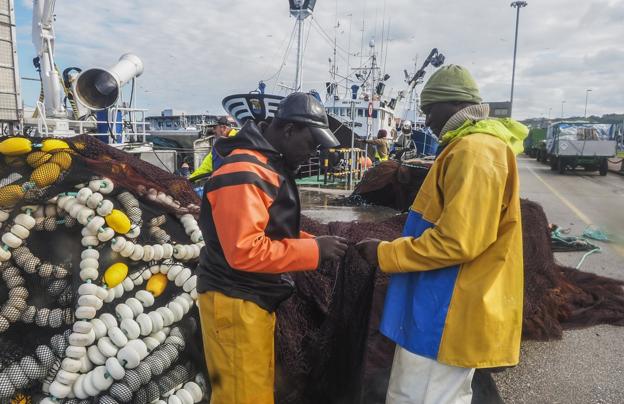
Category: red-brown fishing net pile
<point>329,349</point>
<point>391,184</point>
<point>557,297</point>
<point>131,172</point>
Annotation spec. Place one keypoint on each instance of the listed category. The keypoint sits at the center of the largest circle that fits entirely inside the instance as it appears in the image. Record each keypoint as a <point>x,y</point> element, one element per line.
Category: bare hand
<point>368,250</point>
<point>331,247</point>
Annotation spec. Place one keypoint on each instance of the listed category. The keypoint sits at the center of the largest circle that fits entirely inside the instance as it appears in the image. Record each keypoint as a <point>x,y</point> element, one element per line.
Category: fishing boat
<point>178,130</point>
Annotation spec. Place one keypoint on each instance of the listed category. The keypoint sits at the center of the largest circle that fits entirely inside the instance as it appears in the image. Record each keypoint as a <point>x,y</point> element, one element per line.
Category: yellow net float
<point>15,146</point>
<point>156,284</point>
<point>63,159</point>
<point>21,399</point>
<point>49,145</point>
<point>36,158</point>
<point>115,274</point>
<point>46,174</point>
<point>10,195</point>
<point>118,221</point>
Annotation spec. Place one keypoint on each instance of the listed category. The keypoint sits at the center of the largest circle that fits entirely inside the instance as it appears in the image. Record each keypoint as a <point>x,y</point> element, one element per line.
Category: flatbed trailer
<point>573,144</point>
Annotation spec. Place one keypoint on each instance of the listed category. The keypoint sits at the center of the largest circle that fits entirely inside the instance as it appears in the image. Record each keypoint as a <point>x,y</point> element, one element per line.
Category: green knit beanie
<point>450,83</point>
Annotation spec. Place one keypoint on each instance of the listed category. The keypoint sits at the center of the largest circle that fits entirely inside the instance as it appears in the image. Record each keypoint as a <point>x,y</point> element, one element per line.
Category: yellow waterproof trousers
<point>238,340</point>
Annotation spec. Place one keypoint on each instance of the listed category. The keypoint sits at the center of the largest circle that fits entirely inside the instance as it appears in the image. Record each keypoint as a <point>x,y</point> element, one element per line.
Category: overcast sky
<point>197,52</point>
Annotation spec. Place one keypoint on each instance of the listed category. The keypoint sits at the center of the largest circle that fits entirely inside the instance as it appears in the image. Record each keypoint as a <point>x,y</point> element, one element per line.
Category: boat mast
<point>300,9</point>
<point>300,22</point>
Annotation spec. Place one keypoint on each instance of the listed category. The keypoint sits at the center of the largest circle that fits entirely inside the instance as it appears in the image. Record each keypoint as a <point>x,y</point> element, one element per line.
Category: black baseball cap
<point>223,121</point>
<point>304,109</point>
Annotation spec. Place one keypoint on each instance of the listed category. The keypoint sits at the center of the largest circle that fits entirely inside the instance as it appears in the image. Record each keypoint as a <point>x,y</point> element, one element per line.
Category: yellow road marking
<point>573,208</point>
<point>563,199</point>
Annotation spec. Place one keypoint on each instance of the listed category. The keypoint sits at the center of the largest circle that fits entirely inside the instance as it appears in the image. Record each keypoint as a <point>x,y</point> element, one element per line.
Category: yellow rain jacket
<point>457,286</point>
<point>211,162</point>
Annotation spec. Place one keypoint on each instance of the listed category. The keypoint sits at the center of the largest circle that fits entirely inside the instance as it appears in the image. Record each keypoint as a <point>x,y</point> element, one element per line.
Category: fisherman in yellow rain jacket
<point>213,160</point>
<point>454,302</point>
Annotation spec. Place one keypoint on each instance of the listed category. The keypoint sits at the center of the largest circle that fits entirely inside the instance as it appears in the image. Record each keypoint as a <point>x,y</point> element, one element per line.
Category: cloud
<point>196,53</point>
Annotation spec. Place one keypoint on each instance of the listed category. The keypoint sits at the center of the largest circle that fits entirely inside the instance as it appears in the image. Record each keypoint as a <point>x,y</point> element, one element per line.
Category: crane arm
<point>43,39</point>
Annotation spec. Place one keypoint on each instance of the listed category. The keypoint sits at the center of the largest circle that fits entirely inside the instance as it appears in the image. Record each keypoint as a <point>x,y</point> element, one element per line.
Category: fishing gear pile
<point>98,295</point>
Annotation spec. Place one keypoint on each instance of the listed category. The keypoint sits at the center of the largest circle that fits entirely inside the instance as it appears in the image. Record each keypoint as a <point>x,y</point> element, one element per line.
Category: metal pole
<point>299,53</point>
<point>586,98</point>
<point>517,5</point>
<point>562,102</point>
<point>353,163</point>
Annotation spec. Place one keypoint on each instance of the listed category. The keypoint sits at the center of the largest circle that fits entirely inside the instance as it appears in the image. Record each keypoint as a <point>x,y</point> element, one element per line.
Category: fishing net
<point>557,297</point>
<point>391,184</point>
<point>328,344</point>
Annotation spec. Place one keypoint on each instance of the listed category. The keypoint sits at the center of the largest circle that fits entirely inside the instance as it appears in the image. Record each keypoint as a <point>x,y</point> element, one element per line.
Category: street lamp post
<point>586,98</point>
<point>549,111</point>
<point>518,5</point>
<point>562,102</point>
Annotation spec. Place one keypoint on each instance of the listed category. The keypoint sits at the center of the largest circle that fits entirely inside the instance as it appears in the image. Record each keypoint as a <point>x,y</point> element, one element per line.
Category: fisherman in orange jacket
<point>250,220</point>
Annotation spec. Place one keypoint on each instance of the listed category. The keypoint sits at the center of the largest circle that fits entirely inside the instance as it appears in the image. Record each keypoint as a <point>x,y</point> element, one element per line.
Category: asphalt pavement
<point>585,366</point>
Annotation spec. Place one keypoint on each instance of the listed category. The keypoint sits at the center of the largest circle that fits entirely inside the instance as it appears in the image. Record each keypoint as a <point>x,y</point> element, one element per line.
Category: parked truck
<point>573,144</point>
<point>532,141</point>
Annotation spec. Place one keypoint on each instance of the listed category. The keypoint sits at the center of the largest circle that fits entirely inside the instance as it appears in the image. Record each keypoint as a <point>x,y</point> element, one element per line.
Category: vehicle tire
<point>561,167</point>
<point>554,161</point>
<point>538,156</point>
<point>604,167</point>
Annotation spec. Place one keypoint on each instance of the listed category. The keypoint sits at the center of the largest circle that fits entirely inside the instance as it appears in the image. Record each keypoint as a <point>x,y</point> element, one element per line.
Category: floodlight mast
<point>517,5</point>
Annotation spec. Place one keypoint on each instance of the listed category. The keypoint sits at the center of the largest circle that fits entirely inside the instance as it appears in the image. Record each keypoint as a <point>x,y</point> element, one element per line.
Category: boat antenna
<point>387,43</point>
<point>362,39</point>
<point>383,30</point>
<point>334,68</point>
<point>350,15</point>
<point>300,9</point>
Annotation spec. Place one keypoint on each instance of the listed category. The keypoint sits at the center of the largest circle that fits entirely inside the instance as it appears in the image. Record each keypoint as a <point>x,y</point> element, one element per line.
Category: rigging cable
<point>387,43</point>
<point>305,47</point>
<point>328,38</point>
<point>279,71</point>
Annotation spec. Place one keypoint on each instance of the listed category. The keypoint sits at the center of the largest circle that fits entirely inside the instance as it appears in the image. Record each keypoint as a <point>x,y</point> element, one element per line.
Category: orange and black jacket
<point>250,219</point>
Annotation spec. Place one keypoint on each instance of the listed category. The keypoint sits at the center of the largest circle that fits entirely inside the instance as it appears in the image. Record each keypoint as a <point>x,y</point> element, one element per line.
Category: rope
<point>587,254</point>
<point>580,242</point>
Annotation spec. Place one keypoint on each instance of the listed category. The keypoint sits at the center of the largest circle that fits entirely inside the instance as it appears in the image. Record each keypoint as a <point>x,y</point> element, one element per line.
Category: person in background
<point>212,161</point>
<point>250,221</point>
<point>184,170</point>
<point>381,145</point>
<point>454,300</point>
<point>405,137</point>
